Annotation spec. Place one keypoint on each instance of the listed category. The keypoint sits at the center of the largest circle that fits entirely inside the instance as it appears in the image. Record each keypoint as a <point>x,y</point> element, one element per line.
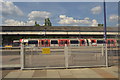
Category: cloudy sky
<point>60,13</point>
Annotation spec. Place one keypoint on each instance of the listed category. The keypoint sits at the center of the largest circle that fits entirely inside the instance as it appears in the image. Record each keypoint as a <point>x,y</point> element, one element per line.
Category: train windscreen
<point>74,42</point>
<point>54,42</point>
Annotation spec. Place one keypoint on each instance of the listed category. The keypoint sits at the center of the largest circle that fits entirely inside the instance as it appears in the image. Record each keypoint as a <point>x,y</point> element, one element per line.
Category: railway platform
<point>99,73</point>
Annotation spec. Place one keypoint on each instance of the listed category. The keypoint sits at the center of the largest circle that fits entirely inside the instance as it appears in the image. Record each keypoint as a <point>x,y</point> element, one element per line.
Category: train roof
<point>58,28</point>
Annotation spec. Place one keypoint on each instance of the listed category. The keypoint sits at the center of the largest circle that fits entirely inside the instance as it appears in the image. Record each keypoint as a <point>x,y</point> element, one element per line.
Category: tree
<point>48,22</point>
<point>100,25</point>
<point>36,24</point>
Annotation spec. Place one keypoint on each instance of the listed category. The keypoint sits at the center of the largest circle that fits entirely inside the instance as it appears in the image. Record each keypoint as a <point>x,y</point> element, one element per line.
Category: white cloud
<point>96,10</point>
<point>1,0</point>
<point>8,8</point>
<point>94,22</point>
<point>117,25</point>
<point>38,15</point>
<point>64,20</point>
<point>113,18</point>
<point>12,22</point>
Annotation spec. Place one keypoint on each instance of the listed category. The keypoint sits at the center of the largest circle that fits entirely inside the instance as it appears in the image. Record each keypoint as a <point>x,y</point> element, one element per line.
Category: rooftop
<point>58,28</point>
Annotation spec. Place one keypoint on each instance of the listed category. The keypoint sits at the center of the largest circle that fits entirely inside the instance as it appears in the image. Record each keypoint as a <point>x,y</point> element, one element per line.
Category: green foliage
<point>36,24</point>
<point>48,22</point>
<point>100,24</point>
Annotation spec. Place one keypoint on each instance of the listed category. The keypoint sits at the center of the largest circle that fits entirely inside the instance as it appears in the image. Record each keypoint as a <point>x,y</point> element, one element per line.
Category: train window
<point>112,42</point>
<point>108,42</point>
<point>33,42</point>
<point>42,42</point>
<point>100,41</point>
<point>54,42</point>
<point>87,43</point>
<point>74,42</point>
<point>118,41</point>
<point>16,43</point>
<point>25,43</point>
<point>66,42</point>
<point>61,42</point>
<point>83,42</point>
<point>92,41</point>
<point>46,42</point>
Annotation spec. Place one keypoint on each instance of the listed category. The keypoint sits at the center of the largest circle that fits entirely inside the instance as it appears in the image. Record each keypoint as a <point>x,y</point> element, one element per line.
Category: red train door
<point>93,42</point>
<point>82,42</point>
<point>62,42</point>
<point>45,42</point>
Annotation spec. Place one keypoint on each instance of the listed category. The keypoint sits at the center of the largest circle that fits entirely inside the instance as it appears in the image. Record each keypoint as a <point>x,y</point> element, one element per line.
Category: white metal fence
<point>62,57</point>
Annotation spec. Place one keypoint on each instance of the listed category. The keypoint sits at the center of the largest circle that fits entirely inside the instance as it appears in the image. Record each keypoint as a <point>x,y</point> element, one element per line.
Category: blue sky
<point>60,13</point>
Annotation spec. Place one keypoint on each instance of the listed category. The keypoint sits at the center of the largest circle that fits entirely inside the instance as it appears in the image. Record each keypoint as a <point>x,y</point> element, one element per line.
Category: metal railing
<point>62,57</point>
<point>59,57</point>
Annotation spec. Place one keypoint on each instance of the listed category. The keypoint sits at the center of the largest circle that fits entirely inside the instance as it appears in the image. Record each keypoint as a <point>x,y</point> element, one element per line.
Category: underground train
<point>63,42</point>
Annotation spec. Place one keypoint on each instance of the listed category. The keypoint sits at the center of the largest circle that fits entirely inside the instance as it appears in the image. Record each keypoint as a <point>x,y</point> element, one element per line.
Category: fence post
<point>22,56</point>
<point>102,50</point>
<point>106,55</point>
<point>66,55</point>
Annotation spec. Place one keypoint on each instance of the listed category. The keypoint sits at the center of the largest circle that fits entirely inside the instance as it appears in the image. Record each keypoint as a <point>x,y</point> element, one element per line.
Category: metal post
<point>104,20</point>
<point>66,55</point>
<point>105,44</point>
<point>22,56</point>
<point>106,56</point>
<point>102,50</point>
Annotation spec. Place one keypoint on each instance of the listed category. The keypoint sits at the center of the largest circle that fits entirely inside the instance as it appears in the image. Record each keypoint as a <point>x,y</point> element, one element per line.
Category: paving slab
<point>52,74</point>
<point>13,74</point>
<point>67,76</point>
<point>40,74</point>
<point>26,74</point>
<point>64,72</point>
<point>5,72</point>
<point>103,73</point>
<point>112,70</point>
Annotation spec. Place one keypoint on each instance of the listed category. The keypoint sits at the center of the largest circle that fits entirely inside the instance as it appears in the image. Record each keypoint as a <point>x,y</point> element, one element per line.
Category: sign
<point>45,50</point>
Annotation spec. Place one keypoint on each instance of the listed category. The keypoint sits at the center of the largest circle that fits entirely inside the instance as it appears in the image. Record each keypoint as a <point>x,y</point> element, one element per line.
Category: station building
<point>10,33</point>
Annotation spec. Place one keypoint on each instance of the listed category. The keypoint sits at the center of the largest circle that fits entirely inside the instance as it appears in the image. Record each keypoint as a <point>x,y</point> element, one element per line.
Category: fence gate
<point>41,57</point>
<point>86,56</point>
<point>62,57</point>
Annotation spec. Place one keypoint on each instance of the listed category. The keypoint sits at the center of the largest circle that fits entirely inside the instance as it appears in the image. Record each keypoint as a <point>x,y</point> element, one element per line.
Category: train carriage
<point>68,42</point>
